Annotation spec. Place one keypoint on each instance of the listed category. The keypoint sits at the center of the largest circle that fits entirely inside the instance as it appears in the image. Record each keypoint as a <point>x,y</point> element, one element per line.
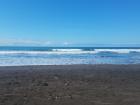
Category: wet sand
<point>70,85</point>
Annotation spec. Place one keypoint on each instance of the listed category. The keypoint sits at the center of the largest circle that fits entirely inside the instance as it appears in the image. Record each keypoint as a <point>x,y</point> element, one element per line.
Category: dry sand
<point>70,85</point>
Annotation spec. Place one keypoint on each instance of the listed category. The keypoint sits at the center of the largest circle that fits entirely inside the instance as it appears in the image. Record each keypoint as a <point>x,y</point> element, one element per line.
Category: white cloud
<point>22,42</point>
<point>28,42</point>
<point>66,43</point>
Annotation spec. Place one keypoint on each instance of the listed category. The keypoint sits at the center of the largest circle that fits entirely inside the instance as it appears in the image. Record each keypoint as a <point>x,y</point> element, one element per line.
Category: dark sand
<point>70,85</point>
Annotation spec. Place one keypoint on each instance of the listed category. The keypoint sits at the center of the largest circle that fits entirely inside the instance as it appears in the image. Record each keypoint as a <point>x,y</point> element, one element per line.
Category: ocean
<point>18,56</point>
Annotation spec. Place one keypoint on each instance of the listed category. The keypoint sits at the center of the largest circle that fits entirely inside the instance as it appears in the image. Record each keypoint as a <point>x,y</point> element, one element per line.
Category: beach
<point>70,85</point>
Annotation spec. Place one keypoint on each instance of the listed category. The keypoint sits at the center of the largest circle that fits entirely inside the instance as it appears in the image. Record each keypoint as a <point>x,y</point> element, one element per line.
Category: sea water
<point>16,56</point>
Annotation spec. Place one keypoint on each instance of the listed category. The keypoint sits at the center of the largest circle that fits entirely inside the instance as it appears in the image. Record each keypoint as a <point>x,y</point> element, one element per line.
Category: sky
<point>69,22</point>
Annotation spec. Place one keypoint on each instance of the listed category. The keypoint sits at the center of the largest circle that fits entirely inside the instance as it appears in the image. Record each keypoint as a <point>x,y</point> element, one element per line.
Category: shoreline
<point>137,64</point>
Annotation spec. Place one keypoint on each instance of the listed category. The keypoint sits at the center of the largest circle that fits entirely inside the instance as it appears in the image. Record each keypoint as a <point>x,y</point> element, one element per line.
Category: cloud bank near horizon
<point>28,42</point>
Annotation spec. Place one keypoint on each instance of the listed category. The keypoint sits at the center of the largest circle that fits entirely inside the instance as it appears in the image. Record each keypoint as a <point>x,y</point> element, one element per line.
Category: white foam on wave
<point>45,52</point>
<point>67,50</point>
<point>71,51</point>
<point>117,50</point>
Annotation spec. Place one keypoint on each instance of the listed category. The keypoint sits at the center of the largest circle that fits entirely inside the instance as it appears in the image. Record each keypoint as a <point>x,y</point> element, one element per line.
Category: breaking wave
<point>73,51</point>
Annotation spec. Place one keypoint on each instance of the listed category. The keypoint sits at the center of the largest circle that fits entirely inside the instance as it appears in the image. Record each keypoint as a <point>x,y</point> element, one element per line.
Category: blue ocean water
<point>15,56</point>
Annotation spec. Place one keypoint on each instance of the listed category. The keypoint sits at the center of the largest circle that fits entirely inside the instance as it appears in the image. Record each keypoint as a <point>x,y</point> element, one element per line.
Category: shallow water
<point>71,55</point>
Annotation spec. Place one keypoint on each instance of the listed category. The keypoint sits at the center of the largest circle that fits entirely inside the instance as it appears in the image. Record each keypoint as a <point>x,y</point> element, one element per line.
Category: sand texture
<point>70,85</point>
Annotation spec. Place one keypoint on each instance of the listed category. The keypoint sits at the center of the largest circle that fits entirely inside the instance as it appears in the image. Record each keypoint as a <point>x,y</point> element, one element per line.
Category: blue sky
<point>58,22</point>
